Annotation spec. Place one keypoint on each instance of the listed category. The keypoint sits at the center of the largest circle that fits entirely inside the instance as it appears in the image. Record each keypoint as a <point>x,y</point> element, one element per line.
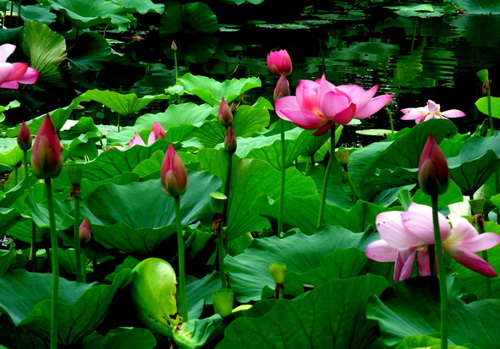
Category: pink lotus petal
<point>360,97</point>
<point>461,229</point>
<point>325,86</point>
<point>404,264</point>
<point>481,242</point>
<point>18,71</point>
<point>381,251</point>
<point>390,226</point>
<point>453,113</point>
<point>432,106</point>
<point>307,97</point>
<point>373,106</point>
<point>13,85</point>
<point>5,51</point>
<point>30,77</point>
<point>137,140</point>
<point>423,263</point>
<point>322,130</point>
<point>470,260</point>
<point>332,103</point>
<point>5,71</point>
<point>289,102</point>
<point>345,116</point>
<point>304,119</point>
<point>421,215</point>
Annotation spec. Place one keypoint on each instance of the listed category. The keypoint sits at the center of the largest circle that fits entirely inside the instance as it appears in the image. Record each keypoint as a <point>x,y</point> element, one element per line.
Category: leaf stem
<point>488,91</point>
<point>180,245</point>
<point>55,266</point>
<point>327,176</point>
<point>443,292</point>
<point>282,181</point>
<point>76,240</point>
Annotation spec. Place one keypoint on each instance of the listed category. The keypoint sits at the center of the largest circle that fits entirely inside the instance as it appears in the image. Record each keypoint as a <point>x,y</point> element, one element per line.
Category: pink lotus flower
<point>319,104</point>
<point>430,111</point>
<point>157,132</point>
<point>173,173</point>
<point>24,137</point>
<point>230,141</point>
<point>282,88</point>
<point>433,174</point>
<point>279,63</point>
<point>11,74</point>
<point>46,157</point>
<point>224,114</point>
<point>84,231</point>
<point>409,234</point>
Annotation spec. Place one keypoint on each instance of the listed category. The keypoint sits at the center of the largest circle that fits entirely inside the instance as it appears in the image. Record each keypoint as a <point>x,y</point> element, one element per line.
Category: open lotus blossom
<point>157,131</point>
<point>11,74</point>
<point>431,111</point>
<point>320,104</point>
<point>406,235</point>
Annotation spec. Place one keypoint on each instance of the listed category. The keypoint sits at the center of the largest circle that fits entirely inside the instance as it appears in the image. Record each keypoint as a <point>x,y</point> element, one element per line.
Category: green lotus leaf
<point>38,13</point>
<point>191,17</point>
<point>482,105</point>
<point>140,6</point>
<point>121,338</point>
<point>91,52</point>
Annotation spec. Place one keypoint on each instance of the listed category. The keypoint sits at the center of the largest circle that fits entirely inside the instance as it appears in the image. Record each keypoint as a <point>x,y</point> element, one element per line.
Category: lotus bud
<point>279,63</point>
<point>224,114</point>
<point>278,271</point>
<point>230,141</point>
<point>157,132</point>
<point>153,290</point>
<point>342,156</point>
<point>223,300</point>
<point>217,201</point>
<point>84,231</point>
<point>433,174</point>
<point>24,137</point>
<point>282,88</point>
<point>173,46</point>
<point>46,158</point>
<point>173,173</point>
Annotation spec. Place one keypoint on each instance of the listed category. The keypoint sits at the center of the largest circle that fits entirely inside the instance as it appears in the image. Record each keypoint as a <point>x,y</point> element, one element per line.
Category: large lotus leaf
<point>10,153</point>
<point>484,7</point>
<point>301,253</point>
<point>140,6</point>
<point>37,13</point>
<point>121,338</point>
<point>7,260</point>
<point>120,103</point>
<point>39,211</point>
<point>247,121</point>
<point>12,104</point>
<point>137,217</point>
<point>428,342</point>
<point>452,195</point>
<point>114,162</point>
<point>412,307</point>
<point>83,14</point>
<point>330,316</point>
<point>195,16</point>
<point>422,11</point>
<point>478,159</point>
<point>90,52</point>
<point>82,307</point>
<point>195,333</point>
<point>384,170</point>
<point>212,91</point>
<point>239,2</point>
<point>47,50</point>
<point>199,292</point>
<point>482,105</point>
<point>179,119</point>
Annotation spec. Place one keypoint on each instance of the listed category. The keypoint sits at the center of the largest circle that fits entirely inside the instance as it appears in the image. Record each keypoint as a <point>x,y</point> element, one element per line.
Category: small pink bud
<point>24,137</point>
<point>173,173</point>
<point>433,174</point>
<point>84,231</point>
<point>46,158</point>
<point>282,88</point>
<point>225,115</point>
<point>230,141</point>
<point>173,46</point>
<point>157,131</point>
<point>279,62</point>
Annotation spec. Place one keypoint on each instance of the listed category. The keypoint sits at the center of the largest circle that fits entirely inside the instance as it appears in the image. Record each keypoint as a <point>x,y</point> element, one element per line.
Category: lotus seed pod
<point>153,291</point>
<point>278,271</point>
<point>223,299</point>
<point>217,201</point>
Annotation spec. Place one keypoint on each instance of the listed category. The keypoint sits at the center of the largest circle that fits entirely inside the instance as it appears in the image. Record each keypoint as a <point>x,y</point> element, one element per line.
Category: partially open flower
<point>173,173</point>
<point>157,132</point>
<point>46,158</point>
<point>24,137</point>
<point>279,62</point>
<point>433,174</point>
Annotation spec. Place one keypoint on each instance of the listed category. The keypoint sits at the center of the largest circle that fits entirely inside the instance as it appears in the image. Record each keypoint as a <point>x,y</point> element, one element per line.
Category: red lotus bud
<point>230,141</point>
<point>173,173</point>
<point>225,115</point>
<point>282,88</point>
<point>46,158</point>
<point>279,62</point>
<point>84,231</point>
<point>433,174</point>
<point>24,137</point>
<point>157,131</point>
<point>173,46</point>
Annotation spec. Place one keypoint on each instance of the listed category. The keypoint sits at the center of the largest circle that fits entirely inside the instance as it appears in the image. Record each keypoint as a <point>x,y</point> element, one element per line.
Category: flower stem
<point>443,293</point>
<point>55,266</point>
<point>76,240</point>
<point>222,254</point>
<point>488,91</point>
<point>32,256</point>
<point>282,182</point>
<point>180,245</point>
<point>227,188</point>
<point>327,176</point>
<point>390,119</point>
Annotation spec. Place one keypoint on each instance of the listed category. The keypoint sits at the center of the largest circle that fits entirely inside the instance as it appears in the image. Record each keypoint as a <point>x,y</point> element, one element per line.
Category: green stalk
<point>176,68</point>
<point>182,273</point>
<point>488,91</point>
<point>55,266</point>
<point>227,188</point>
<point>222,254</point>
<point>390,120</point>
<point>33,224</point>
<point>15,174</point>
<point>443,293</point>
<point>19,12</point>
<point>480,226</point>
<point>76,240</point>
<point>327,176</point>
<point>282,181</point>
